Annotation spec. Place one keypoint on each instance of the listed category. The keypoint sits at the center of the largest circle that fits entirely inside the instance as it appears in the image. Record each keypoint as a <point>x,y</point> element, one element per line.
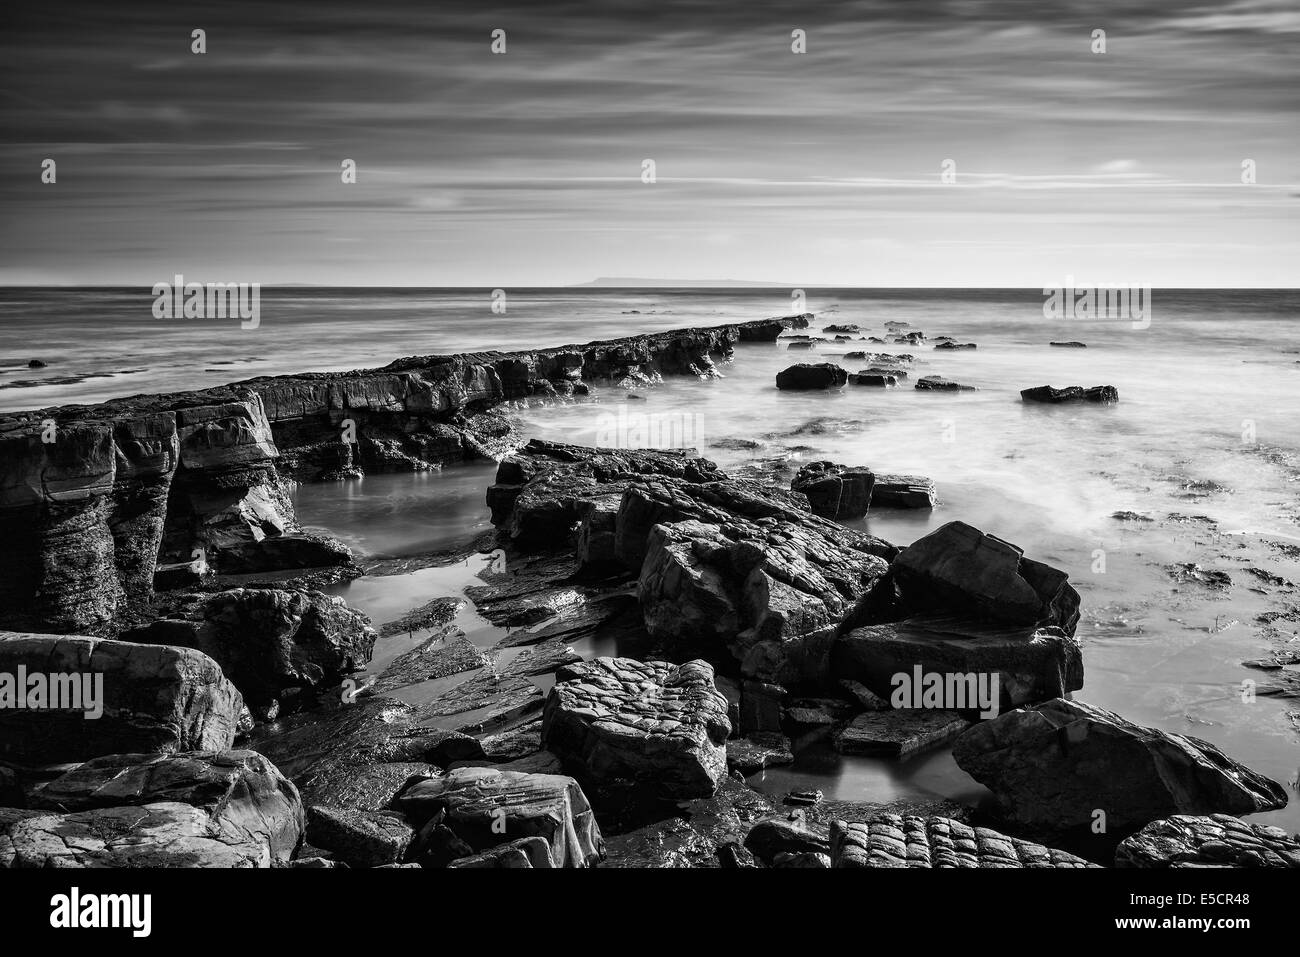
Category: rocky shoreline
<point>152,540</point>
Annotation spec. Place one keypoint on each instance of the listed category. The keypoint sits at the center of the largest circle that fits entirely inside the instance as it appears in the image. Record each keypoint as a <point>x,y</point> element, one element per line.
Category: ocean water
<point>1203,444</point>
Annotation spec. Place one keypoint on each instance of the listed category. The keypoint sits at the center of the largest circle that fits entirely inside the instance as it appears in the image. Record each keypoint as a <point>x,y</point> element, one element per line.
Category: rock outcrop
<point>1054,764</point>
<point>891,840</point>
<point>656,724</point>
<point>1216,840</point>
<point>153,698</point>
<point>935,383</point>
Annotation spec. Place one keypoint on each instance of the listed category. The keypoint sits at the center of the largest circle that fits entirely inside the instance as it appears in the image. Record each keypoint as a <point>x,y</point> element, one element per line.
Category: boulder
<point>1215,840</point>
<point>835,491</point>
<point>153,698</point>
<point>892,840</point>
<point>1019,664</point>
<point>486,807</point>
<point>1074,393</point>
<point>785,834</point>
<point>525,852</point>
<point>660,725</point>
<point>242,791</point>
<point>959,569</point>
<point>268,640</point>
<point>902,491</point>
<point>1054,764</point>
<point>808,375</point>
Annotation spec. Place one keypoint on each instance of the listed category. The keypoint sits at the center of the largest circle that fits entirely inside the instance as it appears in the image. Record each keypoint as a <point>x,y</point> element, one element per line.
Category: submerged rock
<point>807,375</point>
<point>1072,344</point>
<point>953,344</point>
<point>881,379</point>
<point>660,725</point>
<point>892,840</point>
<point>154,698</point>
<point>1216,840</point>
<point>1054,764</point>
<point>899,732</point>
<point>934,383</point>
<point>1072,393</point>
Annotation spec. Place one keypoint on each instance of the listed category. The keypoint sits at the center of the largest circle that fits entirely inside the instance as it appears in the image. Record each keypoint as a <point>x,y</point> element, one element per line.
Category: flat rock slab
<point>891,840</point>
<point>899,733</point>
<point>439,656</point>
<point>653,722</point>
<point>486,807</point>
<point>1011,665</point>
<point>762,749</point>
<point>243,791</point>
<point>433,614</point>
<point>902,491</point>
<point>934,383</point>
<point>1216,840</point>
<point>1073,393</point>
<point>1053,765</point>
<point>166,834</point>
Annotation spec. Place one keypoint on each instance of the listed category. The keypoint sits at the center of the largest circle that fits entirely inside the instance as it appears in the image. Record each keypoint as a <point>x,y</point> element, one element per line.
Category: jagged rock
<point>1054,764</point>
<point>664,726</point>
<point>163,834</point>
<point>935,383</point>
<point>513,745</point>
<point>958,568</point>
<point>432,614</point>
<point>891,840</point>
<point>771,593</point>
<point>1072,393</point>
<point>835,491</point>
<point>953,344</point>
<point>525,852</point>
<point>767,330</point>
<point>902,491</point>
<point>154,698</point>
<point>1216,840</point>
<point>268,639</point>
<point>842,327</point>
<point>243,792</point>
<point>359,838</point>
<point>448,652</point>
<point>809,375</point>
<point>486,807</point>
<point>762,749</point>
<point>1030,664</point>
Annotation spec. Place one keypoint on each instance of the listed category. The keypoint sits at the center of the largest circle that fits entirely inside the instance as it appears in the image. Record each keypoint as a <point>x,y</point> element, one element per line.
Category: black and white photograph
<point>646,436</point>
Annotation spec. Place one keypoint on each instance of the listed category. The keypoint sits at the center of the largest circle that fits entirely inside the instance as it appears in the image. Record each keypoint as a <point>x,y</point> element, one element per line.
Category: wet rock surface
<point>809,375</point>
<point>660,725</point>
<point>891,840</point>
<point>1216,840</point>
<point>1074,393</point>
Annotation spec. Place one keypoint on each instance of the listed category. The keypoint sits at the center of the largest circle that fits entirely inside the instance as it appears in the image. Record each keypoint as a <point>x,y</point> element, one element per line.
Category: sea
<point>1176,511</point>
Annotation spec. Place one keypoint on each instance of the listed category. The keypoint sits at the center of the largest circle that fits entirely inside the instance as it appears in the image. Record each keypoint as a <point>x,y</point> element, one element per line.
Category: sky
<point>526,168</point>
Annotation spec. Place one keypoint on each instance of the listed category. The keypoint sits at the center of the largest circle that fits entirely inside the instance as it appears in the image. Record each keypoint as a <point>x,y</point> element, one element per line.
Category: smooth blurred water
<point>1205,426</point>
